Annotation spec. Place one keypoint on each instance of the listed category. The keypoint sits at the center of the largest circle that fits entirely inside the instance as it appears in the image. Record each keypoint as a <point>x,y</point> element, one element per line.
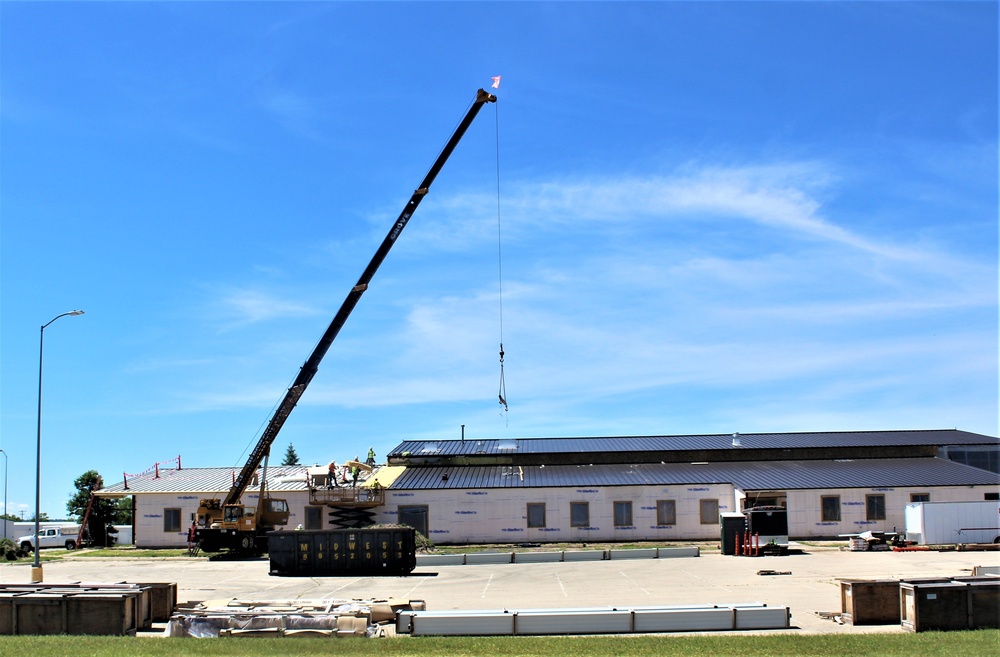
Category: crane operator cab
<point>275,511</point>
<point>239,516</point>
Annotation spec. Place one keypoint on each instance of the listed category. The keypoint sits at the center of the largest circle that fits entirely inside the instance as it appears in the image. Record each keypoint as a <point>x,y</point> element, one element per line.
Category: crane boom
<point>311,366</point>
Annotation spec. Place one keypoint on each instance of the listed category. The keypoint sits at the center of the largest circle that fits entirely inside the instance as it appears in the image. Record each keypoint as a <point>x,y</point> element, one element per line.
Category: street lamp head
<point>72,312</point>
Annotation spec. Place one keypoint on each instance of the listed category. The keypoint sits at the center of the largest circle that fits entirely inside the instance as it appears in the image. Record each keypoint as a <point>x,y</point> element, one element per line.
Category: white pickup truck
<point>64,537</point>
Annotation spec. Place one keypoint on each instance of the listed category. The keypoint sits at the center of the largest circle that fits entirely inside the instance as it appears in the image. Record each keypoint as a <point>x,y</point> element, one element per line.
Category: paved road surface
<point>813,585</point>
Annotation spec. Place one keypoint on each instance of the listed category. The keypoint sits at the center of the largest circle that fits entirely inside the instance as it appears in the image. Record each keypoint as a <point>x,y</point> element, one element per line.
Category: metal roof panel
<point>207,480</point>
<point>599,445</point>
<point>752,475</point>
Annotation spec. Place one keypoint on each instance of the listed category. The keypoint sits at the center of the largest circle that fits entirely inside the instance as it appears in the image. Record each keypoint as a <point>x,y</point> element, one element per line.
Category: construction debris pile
<point>332,618</point>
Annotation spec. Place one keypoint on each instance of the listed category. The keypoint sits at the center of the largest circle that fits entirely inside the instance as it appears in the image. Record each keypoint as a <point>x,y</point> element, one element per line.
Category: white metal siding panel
<point>761,618</point>
<point>683,620</point>
<point>573,622</point>
<point>462,624</point>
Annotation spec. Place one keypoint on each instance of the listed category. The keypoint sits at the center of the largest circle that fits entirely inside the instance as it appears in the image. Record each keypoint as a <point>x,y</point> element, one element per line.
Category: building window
<point>536,514</point>
<point>831,508</point>
<point>709,512</point>
<point>920,497</point>
<point>991,496</point>
<point>666,512</point>
<point>875,507</point>
<point>171,520</point>
<point>623,514</point>
<point>314,517</point>
<point>415,516</point>
<point>579,514</point>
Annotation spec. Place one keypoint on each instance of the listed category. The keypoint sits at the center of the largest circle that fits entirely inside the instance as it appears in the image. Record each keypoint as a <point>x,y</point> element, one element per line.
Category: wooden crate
<point>984,601</point>
<point>934,606</point>
<point>870,602</point>
<point>964,603</point>
<point>39,609</point>
<point>111,613</point>
<point>162,600</point>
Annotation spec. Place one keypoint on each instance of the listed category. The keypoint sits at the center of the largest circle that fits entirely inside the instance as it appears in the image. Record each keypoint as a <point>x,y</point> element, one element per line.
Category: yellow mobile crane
<point>228,524</point>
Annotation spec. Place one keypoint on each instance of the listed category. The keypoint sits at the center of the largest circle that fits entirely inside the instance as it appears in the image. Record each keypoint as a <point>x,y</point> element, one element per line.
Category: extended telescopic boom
<point>311,366</point>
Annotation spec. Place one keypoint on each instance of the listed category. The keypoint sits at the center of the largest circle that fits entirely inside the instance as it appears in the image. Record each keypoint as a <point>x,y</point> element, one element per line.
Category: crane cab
<point>242,517</point>
<point>246,518</point>
<point>275,511</point>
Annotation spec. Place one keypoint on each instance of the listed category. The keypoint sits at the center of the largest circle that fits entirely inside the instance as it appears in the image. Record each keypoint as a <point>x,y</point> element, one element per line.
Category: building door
<point>414,516</point>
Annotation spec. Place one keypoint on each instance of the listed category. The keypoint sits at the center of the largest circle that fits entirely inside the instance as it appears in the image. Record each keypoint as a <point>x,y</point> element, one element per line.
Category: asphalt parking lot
<point>810,587</point>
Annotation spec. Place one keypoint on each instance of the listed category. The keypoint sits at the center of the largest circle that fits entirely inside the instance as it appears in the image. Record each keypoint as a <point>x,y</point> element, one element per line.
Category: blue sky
<point>713,217</point>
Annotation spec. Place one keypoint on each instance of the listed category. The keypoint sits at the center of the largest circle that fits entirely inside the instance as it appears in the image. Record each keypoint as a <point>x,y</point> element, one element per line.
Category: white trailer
<point>947,523</point>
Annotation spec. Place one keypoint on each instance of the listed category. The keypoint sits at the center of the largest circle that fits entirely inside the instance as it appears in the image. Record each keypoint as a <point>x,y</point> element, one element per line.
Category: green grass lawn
<point>129,551</point>
<point>966,644</point>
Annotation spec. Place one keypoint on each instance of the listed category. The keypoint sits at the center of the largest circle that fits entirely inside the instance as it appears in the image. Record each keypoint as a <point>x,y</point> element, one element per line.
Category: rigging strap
<point>503,388</point>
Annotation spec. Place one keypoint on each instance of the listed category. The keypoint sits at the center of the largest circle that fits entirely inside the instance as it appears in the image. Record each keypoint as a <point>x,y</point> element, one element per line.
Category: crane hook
<point>503,388</point>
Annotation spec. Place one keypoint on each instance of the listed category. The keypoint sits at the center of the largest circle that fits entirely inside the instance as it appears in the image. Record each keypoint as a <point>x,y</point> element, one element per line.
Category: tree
<point>123,511</point>
<point>291,458</point>
<point>103,512</point>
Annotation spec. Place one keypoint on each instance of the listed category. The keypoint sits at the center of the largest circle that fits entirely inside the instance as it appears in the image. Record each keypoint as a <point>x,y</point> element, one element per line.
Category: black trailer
<point>769,527</point>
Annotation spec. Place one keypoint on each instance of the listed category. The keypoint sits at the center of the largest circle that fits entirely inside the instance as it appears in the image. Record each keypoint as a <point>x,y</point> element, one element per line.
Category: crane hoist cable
<point>503,387</point>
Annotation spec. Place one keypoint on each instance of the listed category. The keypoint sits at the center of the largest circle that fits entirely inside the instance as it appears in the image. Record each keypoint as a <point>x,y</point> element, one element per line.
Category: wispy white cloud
<point>247,306</point>
<point>609,292</point>
<point>784,197</point>
<point>779,196</point>
<point>297,112</point>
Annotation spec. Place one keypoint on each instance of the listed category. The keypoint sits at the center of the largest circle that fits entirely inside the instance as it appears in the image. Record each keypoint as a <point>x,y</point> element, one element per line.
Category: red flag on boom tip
<point>496,82</point>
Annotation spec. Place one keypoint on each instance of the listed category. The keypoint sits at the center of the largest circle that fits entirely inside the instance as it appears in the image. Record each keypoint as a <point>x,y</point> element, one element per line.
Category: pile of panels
<point>118,609</point>
<point>334,618</point>
<point>594,620</point>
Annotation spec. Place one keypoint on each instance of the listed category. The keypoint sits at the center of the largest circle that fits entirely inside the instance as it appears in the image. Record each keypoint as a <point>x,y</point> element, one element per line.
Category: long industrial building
<point>648,488</point>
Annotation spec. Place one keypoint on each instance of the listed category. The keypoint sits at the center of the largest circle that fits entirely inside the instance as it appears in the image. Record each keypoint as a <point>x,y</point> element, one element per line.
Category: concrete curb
<point>476,558</point>
<point>537,557</point>
<point>488,557</point>
<point>672,552</point>
<point>585,555</point>
<point>440,560</point>
<point>638,553</point>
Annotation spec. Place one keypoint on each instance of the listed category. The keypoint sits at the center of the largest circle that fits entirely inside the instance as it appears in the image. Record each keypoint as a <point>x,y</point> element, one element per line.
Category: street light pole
<point>4,492</point>
<point>36,569</point>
